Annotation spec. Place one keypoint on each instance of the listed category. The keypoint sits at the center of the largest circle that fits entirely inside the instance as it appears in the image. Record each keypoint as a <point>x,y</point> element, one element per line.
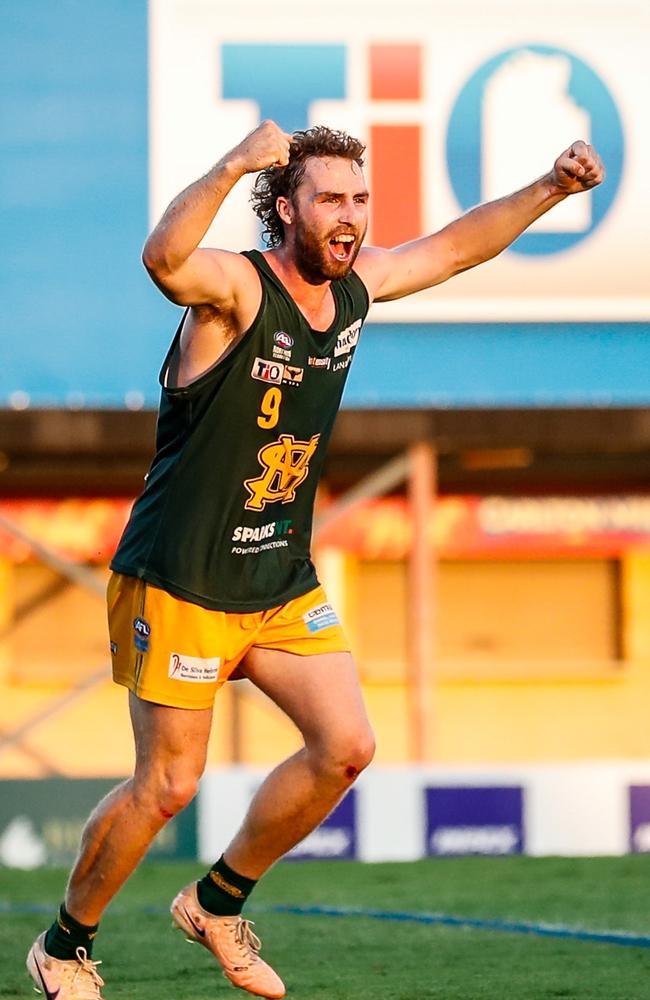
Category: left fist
<point>579,168</point>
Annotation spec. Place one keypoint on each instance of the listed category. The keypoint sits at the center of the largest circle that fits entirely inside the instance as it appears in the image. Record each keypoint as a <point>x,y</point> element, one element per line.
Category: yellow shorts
<point>175,653</point>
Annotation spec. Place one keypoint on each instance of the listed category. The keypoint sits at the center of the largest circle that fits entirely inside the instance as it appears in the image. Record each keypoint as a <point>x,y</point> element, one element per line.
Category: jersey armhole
<point>364,290</point>
<point>173,349</point>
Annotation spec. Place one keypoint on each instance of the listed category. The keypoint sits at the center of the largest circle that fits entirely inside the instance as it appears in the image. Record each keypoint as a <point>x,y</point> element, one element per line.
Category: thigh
<point>168,739</point>
<point>320,693</point>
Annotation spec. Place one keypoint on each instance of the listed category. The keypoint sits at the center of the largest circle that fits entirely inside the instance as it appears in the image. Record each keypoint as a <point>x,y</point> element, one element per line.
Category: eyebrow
<point>339,194</point>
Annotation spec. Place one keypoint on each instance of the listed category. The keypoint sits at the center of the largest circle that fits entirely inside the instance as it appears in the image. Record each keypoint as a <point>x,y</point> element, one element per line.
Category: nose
<point>351,212</point>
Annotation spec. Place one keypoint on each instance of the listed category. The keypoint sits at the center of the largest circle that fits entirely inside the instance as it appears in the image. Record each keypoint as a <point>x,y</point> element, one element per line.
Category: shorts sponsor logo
<point>113,648</point>
<point>347,339</point>
<point>194,669</point>
<point>267,371</point>
<point>141,633</point>
<point>319,362</point>
<point>272,535</point>
<point>321,617</point>
<point>292,375</point>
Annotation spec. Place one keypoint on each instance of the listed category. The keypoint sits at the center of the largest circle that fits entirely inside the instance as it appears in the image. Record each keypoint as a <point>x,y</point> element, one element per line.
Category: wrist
<point>553,189</point>
<point>231,167</point>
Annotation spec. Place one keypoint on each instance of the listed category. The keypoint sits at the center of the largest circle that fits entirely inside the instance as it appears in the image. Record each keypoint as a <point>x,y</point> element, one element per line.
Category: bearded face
<point>329,218</point>
<point>325,256</point>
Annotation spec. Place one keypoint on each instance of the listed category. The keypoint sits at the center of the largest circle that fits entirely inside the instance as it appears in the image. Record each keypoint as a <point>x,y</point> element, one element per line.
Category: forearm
<point>189,216</point>
<point>488,229</point>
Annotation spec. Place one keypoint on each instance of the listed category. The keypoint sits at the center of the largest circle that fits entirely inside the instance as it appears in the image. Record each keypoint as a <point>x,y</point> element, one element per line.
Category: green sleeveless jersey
<point>226,515</point>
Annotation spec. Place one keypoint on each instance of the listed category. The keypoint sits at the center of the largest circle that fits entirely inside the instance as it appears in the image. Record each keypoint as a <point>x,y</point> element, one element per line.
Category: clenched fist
<point>265,146</point>
<point>578,168</point>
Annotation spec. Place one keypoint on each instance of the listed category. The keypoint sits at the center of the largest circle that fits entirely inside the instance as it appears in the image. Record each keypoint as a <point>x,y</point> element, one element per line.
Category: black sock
<point>223,891</point>
<point>66,935</point>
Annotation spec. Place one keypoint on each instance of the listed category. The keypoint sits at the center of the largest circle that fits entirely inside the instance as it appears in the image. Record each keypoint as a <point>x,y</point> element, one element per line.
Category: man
<point>212,577</point>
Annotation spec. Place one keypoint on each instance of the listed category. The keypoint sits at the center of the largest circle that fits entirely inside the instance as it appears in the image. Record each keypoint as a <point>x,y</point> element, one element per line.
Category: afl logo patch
<point>141,633</point>
<point>283,339</point>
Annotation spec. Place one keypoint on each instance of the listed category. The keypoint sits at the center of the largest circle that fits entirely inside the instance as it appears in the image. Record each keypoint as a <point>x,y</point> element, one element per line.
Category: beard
<point>314,260</point>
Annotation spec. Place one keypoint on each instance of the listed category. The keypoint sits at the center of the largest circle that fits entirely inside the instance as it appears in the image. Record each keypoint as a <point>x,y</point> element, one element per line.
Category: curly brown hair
<point>282,182</point>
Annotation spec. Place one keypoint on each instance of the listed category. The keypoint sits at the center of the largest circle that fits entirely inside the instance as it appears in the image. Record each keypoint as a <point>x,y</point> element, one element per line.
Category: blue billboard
<point>108,110</point>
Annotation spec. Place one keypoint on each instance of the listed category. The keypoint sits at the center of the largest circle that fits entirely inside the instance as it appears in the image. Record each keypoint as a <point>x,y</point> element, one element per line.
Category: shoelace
<point>246,938</point>
<point>89,989</point>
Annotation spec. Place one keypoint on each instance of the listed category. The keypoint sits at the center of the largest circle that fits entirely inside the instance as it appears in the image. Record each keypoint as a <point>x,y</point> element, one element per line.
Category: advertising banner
<point>458,104</point>
<point>88,529</point>
<point>483,820</point>
<point>402,813</point>
<point>41,822</point>
<point>639,803</point>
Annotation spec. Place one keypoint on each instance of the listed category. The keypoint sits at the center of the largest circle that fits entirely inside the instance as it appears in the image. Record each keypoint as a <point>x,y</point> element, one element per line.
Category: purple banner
<point>484,820</point>
<point>640,819</point>
<point>335,838</point>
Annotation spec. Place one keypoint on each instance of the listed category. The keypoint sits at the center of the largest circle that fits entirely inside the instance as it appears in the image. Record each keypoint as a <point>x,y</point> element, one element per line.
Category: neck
<point>310,294</point>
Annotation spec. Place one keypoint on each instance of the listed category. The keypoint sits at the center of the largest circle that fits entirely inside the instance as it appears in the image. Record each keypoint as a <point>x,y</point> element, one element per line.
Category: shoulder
<point>237,288</point>
<point>372,266</point>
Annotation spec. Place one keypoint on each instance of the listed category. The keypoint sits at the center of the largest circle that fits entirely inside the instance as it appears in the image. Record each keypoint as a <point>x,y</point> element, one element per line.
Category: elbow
<point>154,260</point>
<point>160,271</point>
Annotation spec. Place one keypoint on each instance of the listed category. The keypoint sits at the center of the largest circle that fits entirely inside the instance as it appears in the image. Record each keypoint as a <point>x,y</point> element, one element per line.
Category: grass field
<point>358,958</point>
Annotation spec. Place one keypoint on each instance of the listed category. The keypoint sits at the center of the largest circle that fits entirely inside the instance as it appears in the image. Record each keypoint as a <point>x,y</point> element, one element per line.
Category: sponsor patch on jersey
<point>347,339</point>
<point>342,363</point>
<point>283,339</point>
<point>321,617</point>
<point>194,669</point>
<point>319,362</point>
<point>244,533</point>
<point>267,371</point>
<point>292,376</point>
<point>282,344</point>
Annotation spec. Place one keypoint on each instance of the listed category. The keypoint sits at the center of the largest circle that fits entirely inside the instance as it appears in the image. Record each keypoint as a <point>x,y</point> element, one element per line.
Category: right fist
<point>265,146</point>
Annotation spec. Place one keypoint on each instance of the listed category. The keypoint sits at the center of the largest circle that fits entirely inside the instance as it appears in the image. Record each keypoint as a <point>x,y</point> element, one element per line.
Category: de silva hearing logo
<point>527,95</point>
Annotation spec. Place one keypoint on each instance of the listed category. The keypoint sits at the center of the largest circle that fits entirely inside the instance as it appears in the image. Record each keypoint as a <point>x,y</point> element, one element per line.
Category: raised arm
<point>480,234</point>
<point>191,276</point>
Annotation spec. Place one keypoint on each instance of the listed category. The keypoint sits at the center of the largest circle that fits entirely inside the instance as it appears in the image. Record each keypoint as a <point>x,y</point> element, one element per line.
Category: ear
<point>284,209</point>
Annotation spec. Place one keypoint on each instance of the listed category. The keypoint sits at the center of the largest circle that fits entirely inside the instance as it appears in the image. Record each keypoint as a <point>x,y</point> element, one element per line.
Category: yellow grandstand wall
<point>491,715</point>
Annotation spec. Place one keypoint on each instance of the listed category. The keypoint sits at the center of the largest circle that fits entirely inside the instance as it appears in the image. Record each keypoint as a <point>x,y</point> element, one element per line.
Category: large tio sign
<point>457,106</point>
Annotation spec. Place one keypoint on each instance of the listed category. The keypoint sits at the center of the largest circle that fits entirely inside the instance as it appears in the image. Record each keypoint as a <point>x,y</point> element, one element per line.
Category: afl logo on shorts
<point>141,633</point>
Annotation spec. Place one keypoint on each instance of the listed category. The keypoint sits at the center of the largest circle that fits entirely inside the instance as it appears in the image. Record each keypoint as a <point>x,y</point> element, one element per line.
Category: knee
<point>345,759</point>
<point>360,754</point>
<point>177,793</point>
<point>169,793</point>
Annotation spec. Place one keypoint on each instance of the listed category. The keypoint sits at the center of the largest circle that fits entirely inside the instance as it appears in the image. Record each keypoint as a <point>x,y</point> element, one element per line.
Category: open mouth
<point>342,246</point>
